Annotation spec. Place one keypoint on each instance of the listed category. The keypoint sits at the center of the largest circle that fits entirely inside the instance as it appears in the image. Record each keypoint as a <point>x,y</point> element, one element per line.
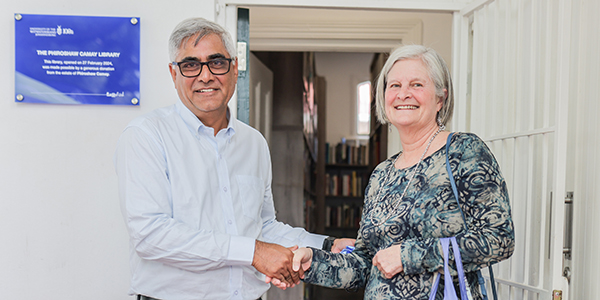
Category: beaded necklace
<point>407,185</point>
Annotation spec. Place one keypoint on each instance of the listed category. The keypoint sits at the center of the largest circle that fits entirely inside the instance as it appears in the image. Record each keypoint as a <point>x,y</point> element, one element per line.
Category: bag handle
<point>449,291</point>
<point>455,191</point>
<point>452,182</point>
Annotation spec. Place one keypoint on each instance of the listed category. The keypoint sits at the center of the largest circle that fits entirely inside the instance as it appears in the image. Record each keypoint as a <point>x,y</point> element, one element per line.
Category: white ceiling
<point>348,30</point>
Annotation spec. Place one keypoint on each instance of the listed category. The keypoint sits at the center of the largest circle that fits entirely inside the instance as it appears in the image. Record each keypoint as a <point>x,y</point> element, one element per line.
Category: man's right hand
<point>301,263</point>
<point>275,261</point>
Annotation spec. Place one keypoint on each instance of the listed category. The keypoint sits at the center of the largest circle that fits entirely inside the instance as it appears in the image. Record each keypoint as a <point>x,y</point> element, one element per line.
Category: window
<point>363,108</point>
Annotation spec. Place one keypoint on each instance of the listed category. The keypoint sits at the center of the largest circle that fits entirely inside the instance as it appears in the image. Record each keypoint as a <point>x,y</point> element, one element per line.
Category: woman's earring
<point>440,124</point>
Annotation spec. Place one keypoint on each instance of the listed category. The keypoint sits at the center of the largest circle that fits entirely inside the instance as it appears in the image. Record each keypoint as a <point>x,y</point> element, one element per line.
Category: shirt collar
<point>196,126</point>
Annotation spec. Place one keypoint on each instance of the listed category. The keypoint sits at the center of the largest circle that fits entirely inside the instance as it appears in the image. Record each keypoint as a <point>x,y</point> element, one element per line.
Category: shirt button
<point>229,222</point>
<point>225,189</point>
<point>235,293</point>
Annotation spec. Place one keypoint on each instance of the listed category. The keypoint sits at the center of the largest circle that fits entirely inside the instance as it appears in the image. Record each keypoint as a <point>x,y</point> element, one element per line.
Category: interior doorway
<point>326,30</point>
<point>313,29</point>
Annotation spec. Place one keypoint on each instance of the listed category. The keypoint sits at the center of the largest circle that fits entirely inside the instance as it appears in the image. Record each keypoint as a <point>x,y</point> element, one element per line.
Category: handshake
<point>284,267</point>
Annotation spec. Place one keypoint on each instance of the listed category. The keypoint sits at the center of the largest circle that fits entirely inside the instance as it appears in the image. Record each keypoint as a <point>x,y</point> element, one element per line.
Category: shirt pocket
<point>251,194</point>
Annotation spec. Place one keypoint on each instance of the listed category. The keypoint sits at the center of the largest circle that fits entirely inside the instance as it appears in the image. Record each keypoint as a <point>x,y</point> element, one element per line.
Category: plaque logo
<point>60,30</point>
<point>51,32</point>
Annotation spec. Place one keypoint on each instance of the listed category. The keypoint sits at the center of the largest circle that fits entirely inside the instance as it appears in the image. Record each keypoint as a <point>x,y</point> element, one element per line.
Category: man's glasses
<point>193,68</point>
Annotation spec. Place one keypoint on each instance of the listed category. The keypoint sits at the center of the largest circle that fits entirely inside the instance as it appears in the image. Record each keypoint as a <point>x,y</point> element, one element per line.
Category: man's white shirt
<point>194,204</point>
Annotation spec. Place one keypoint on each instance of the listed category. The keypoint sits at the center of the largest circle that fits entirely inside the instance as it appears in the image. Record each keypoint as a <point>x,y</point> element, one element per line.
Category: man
<point>195,186</point>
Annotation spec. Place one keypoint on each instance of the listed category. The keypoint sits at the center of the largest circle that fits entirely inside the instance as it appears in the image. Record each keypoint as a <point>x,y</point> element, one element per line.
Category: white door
<point>261,96</point>
<point>511,91</point>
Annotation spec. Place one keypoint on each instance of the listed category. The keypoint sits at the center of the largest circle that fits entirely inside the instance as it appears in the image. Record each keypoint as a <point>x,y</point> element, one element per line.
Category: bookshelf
<point>345,185</point>
<point>336,176</point>
<point>342,201</point>
<point>314,133</point>
<point>378,138</point>
<point>319,167</point>
<point>346,175</point>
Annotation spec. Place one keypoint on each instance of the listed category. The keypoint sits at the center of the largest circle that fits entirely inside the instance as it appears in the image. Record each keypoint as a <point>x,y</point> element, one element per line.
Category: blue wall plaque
<point>77,59</point>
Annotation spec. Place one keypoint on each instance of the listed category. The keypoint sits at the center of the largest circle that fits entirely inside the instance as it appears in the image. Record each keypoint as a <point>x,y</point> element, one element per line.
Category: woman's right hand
<point>302,258</point>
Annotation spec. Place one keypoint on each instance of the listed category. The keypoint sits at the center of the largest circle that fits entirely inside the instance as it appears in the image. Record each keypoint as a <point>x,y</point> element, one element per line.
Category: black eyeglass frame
<point>202,64</point>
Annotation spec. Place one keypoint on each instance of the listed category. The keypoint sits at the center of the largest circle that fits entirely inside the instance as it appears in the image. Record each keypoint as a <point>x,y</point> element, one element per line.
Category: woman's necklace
<point>414,172</point>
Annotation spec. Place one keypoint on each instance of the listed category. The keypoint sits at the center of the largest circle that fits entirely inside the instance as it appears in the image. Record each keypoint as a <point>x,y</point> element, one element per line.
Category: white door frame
<point>226,12</point>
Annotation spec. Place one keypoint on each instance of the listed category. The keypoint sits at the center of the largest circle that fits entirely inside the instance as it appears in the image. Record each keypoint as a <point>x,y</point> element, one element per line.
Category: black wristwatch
<point>328,243</point>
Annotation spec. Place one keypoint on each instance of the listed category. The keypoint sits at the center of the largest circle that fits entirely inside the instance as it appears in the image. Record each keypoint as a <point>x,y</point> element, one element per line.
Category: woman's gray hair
<point>438,72</point>
<point>198,28</point>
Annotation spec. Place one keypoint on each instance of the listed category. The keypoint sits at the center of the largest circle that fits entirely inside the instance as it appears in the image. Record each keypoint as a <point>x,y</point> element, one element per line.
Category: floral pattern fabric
<point>427,212</point>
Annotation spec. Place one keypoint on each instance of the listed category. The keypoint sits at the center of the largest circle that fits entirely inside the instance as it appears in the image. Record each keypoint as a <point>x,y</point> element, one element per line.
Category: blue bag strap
<point>459,268</point>
<point>481,281</point>
<point>452,183</point>
<point>449,291</point>
<point>455,191</point>
<point>434,287</point>
<point>493,281</point>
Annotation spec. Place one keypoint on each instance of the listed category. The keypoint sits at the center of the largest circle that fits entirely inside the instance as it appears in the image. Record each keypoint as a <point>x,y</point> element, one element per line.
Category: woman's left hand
<point>388,261</point>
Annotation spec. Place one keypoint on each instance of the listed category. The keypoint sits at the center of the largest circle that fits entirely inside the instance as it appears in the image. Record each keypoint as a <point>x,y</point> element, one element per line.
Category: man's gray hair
<point>438,72</point>
<point>198,28</point>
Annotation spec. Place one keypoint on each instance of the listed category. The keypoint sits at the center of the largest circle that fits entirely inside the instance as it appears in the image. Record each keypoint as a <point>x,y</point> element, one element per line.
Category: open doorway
<point>327,30</point>
<point>278,37</point>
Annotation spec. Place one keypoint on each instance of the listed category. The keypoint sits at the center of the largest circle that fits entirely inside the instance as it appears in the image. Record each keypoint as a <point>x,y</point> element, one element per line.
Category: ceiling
<point>331,30</point>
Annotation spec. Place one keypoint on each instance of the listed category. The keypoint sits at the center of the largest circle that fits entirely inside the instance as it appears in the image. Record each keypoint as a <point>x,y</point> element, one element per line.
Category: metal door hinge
<point>241,56</point>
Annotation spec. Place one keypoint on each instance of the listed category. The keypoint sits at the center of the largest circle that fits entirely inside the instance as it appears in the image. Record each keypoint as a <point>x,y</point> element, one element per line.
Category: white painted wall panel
<point>61,228</point>
<point>533,88</point>
<point>511,104</point>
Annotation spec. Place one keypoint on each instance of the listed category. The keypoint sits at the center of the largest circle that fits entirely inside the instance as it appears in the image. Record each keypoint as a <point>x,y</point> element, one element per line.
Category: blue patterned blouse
<point>427,212</point>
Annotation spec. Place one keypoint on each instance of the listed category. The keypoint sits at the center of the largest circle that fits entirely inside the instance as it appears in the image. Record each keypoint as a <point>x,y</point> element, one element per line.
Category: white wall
<point>342,72</point>
<point>61,229</point>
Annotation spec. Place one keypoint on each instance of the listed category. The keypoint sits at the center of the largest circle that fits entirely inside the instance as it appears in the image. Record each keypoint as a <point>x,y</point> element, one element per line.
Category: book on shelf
<point>343,216</point>
<point>350,153</point>
<point>345,183</point>
<point>309,211</point>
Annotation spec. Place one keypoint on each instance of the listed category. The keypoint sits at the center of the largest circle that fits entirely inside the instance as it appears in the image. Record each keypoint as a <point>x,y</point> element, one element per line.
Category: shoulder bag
<point>449,291</point>
<point>454,190</point>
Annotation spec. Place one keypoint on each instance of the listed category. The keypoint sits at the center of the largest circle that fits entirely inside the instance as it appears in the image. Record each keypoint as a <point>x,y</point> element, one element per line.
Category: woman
<point>409,203</point>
